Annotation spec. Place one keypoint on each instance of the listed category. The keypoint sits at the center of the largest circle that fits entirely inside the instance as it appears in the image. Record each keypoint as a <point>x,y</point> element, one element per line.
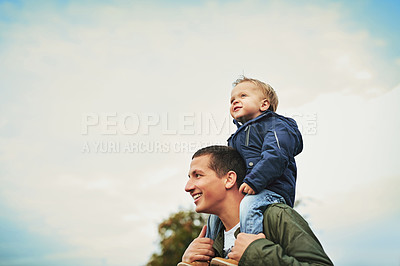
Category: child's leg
<point>213,226</point>
<point>252,209</point>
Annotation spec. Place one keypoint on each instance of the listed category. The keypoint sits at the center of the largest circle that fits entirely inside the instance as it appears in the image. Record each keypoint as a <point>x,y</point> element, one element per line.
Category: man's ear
<point>230,180</point>
<point>264,105</point>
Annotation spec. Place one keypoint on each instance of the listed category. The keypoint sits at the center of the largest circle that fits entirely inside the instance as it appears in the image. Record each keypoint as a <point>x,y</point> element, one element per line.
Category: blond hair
<point>268,92</point>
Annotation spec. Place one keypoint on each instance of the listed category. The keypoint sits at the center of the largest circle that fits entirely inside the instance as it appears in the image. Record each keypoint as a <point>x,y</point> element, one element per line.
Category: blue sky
<point>103,103</point>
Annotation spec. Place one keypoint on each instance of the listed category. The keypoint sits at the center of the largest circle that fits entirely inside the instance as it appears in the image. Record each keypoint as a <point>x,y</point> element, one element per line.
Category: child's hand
<point>246,189</point>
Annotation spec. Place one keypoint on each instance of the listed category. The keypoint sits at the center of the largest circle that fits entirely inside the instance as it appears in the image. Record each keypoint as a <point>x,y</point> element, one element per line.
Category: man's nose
<point>189,185</point>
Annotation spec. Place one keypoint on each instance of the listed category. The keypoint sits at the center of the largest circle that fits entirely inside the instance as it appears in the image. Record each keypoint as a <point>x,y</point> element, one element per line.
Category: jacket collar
<point>263,114</point>
<point>219,242</point>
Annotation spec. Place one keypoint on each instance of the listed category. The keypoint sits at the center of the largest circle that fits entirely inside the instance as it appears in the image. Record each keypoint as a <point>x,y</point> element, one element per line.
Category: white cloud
<point>142,58</point>
<point>363,75</point>
<point>156,177</point>
<point>354,142</point>
<point>348,174</point>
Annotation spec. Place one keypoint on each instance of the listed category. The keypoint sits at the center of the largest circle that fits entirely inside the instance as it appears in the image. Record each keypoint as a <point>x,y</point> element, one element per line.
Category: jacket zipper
<point>247,135</point>
<point>277,140</point>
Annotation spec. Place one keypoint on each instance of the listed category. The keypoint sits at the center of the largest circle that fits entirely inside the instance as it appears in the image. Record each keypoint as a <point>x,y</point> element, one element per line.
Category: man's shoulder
<point>277,209</point>
<point>279,213</point>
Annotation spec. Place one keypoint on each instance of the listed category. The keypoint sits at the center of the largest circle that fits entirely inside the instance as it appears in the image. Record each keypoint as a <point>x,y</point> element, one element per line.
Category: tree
<point>176,233</point>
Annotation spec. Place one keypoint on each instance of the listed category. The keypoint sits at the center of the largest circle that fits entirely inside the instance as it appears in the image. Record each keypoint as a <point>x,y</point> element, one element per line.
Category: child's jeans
<point>252,209</point>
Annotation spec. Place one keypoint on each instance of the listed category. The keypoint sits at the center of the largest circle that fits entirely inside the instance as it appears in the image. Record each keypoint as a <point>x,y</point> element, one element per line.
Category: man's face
<point>206,188</point>
<point>247,102</point>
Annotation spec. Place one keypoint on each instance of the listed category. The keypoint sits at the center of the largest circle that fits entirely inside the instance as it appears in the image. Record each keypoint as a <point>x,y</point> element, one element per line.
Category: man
<point>215,175</point>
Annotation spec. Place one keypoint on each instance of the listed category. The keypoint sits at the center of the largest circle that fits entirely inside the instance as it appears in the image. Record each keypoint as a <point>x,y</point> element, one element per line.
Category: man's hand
<point>241,243</point>
<point>200,248</point>
<point>246,189</point>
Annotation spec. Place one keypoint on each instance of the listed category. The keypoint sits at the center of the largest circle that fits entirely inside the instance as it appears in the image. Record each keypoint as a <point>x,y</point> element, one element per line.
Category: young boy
<point>268,142</point>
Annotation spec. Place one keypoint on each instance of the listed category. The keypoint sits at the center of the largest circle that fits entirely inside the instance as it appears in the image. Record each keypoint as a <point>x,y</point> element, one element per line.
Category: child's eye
<point>243,95</point>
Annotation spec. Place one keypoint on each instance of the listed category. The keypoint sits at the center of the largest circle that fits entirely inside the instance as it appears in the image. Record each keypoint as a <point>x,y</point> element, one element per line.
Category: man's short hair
<point>224,159</point>
<point>268,92</point>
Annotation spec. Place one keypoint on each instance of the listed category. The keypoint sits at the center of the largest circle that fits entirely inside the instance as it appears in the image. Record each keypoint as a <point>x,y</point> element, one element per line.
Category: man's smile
<point>196,196</point>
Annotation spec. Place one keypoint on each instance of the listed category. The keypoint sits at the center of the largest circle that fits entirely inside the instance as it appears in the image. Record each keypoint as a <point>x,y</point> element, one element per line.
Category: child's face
<point>247,102</point>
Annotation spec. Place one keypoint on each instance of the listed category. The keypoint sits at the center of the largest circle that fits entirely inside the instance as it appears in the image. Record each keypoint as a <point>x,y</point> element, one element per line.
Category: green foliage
<point>176,233</point>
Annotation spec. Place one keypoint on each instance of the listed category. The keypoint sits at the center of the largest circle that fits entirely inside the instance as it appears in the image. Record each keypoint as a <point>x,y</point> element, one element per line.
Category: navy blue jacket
<point>268,143</point>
